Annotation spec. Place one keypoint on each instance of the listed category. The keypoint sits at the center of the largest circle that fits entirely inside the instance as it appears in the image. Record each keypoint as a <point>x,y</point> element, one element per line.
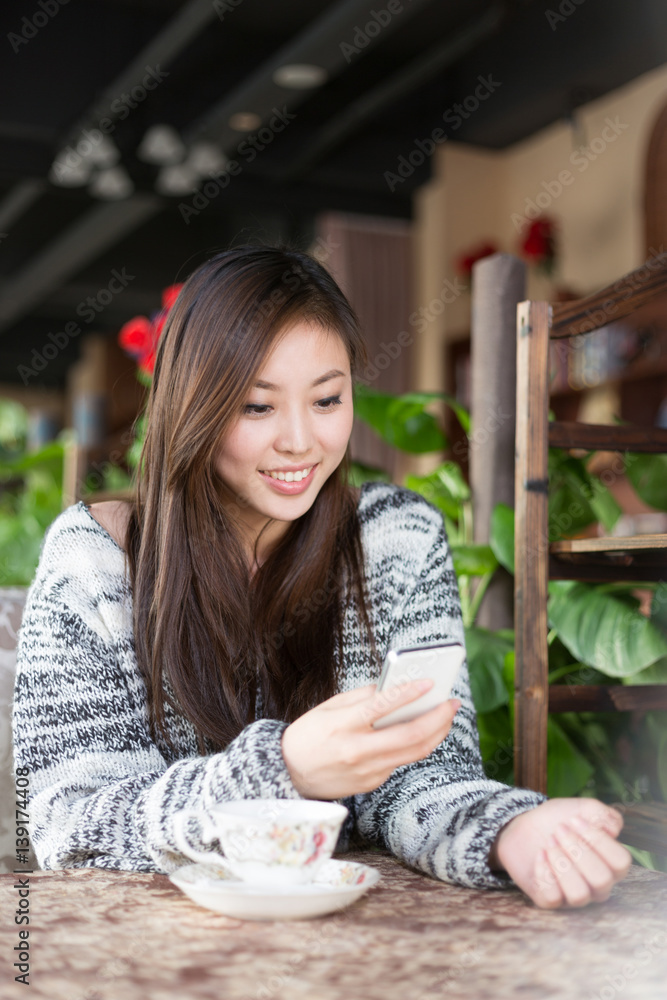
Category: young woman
<point>220,636</point>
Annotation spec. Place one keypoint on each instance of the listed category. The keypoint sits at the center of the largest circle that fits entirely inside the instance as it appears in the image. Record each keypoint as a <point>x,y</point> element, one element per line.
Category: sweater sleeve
<point>441,814</point>
<point>101,794</point>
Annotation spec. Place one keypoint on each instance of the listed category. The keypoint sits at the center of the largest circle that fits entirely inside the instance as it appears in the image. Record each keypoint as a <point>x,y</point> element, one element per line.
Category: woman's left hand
<point>563,852</point>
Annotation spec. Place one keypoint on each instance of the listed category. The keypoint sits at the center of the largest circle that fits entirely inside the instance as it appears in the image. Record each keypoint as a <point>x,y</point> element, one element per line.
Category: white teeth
<point>290,477</point>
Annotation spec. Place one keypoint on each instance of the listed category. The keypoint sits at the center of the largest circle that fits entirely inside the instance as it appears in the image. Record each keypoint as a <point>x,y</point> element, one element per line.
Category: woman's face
<point>296,424</point>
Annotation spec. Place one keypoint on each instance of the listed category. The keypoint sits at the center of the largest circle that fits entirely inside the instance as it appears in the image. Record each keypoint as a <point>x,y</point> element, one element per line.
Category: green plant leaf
<point>496,744</point>
<point>50,456</point>
<point>570,490</point>
<point>401,421</point>
<point>659,607</point>
<point>656,724</point>
<point>450,477</point>
<point>648,475</point>
<point>473,560</point>
<point>426,398</point>
<point>445,488</point>
<point>655,674</point>
<point>604,630</point>
<point>360,473</point>
<point>568,771</point>
<point>509,664</point>
<point>486,659</point>
<point>411,429</point>
<point>13,425</point>
<point>502,535</point>
<point>604,506</point>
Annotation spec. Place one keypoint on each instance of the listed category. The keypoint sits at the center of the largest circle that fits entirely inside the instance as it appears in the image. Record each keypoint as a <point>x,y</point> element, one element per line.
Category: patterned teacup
<point>269,842</point>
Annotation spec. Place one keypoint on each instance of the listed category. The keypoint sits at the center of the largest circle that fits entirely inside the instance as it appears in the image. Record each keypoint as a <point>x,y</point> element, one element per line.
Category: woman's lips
<point>289,489</point>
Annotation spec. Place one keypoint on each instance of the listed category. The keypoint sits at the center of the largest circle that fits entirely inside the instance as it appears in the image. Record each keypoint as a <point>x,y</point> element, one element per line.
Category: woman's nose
<point>295,435</point>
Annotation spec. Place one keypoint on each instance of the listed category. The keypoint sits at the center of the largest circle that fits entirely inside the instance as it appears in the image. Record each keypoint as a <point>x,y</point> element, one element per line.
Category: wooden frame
<point>639,559</point>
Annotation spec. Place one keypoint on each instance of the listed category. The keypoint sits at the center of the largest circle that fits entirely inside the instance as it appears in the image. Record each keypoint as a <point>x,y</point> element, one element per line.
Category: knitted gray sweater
<point>103,793</point>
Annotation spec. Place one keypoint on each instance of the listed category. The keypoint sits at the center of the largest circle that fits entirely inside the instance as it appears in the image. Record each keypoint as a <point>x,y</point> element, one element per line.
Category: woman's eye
<point>328,404</point>
<point>261,408</point>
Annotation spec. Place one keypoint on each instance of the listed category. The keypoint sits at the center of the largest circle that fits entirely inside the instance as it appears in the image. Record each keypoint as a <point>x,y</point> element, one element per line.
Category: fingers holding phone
<point>406,742</point>
<point>436,662</point>
<point>334,749</point>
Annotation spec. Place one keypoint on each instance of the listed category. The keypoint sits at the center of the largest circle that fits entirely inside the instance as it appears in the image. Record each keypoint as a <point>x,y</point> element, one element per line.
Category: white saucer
<point>338,883</point>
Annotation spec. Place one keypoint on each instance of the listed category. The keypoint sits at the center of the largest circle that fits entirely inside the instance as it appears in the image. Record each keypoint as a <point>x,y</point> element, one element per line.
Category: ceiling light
<point>104,153</point>
<point>69,169</point>
<point>161,145</point>
<point>206,158</point>
<point>112,184</point>
<point>177,180</point>
<point>300,76</point>
<point>244,121</point>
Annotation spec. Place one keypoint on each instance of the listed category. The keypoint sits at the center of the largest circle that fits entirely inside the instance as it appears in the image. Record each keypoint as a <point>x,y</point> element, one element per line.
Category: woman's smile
<point>288,482</point>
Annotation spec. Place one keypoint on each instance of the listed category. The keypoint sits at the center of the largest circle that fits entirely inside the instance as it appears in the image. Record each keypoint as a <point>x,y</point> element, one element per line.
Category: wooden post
<point>531,546</point>
<point>74,469</point>
<point>499,283</point>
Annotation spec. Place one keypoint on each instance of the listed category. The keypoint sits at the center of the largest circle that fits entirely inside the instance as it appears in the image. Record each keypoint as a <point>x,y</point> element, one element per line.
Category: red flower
<point>147,363</point>
<point>136,336</point>
<point>539,243</point>
<point>139,336</point>
<point>169,295</point>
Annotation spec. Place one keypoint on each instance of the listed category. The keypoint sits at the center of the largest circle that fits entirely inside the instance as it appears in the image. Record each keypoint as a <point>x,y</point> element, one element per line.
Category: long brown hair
<point>210,640</point>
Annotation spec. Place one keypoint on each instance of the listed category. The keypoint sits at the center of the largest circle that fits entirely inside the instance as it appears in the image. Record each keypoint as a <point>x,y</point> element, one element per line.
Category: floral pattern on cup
<point>297,844</point>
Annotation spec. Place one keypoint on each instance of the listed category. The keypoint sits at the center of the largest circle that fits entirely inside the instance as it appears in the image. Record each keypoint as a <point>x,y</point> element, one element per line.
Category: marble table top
<point>104,935</point>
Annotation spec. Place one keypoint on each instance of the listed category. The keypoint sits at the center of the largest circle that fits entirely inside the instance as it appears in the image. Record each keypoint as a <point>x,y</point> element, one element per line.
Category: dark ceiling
<point>394,70</point>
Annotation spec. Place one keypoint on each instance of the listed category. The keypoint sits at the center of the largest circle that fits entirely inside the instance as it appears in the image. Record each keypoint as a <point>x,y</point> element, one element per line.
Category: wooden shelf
<point>607,437</point>
<point>642,559</point>
<point>607,697</point>
<point>631,543</point>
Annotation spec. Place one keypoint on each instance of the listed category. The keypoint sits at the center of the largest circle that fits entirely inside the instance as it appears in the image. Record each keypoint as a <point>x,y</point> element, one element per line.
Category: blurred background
<point>398,141</point>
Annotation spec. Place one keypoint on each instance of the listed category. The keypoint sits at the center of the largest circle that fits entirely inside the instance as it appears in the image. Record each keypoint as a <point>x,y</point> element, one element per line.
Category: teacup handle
<point>208,832</point>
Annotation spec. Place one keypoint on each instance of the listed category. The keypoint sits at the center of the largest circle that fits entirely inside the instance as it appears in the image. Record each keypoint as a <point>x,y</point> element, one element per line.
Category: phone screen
<point>439,661</point>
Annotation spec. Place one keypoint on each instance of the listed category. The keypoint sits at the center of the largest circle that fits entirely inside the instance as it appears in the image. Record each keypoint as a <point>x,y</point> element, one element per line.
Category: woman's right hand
<point>332,751</point>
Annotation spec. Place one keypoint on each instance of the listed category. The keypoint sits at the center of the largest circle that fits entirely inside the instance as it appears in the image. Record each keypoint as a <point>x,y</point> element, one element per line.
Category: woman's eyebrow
<point>318,381</point>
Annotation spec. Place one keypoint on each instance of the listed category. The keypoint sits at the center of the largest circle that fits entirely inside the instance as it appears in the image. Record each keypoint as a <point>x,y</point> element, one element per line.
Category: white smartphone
<point>439,661</point>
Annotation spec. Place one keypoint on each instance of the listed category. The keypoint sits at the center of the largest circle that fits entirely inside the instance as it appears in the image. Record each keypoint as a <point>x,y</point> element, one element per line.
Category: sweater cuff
<point>252,767</point>
<point>463,857</point>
